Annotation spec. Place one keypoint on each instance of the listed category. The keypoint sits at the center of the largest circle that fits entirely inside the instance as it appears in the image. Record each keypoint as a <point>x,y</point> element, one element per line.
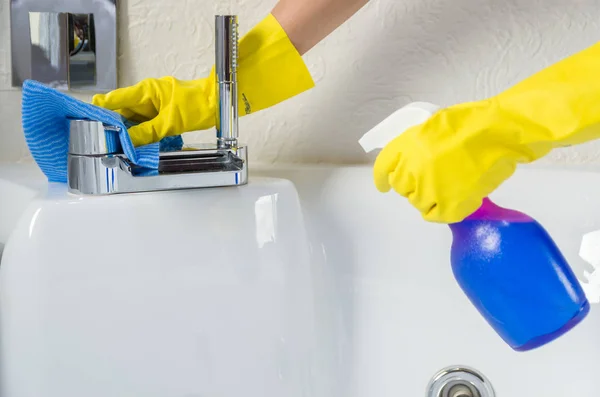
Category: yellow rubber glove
<point>270,70</point>
<point>447,165</point>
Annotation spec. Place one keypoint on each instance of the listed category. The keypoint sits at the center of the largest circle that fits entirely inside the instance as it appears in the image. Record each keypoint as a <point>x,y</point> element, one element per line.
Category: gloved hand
<point>270,70</point>
<point>448,164</point>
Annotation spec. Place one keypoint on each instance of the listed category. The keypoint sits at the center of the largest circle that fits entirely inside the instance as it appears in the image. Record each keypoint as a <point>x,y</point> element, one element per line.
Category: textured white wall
<point>392,52</point>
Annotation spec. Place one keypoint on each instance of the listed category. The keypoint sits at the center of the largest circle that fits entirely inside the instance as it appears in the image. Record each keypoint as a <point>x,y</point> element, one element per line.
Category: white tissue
<point>395,124</point>
<point>590,252</point>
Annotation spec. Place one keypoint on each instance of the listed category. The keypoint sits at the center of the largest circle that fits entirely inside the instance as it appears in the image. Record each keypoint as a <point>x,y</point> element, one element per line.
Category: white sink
<point>19,184</point>
<point>306,282</point>
<point>189,293</point>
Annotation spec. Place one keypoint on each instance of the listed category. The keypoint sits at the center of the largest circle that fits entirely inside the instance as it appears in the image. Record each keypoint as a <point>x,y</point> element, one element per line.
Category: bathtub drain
<point>459,381</point>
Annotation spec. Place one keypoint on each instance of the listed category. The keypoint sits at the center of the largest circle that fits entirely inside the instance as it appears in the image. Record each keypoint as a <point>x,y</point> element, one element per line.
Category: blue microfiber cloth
<point>46,116</point>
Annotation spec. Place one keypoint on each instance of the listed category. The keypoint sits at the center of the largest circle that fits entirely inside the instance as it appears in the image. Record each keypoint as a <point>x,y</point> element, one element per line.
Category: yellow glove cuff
<point>270,68</point>
<point>558,106</point>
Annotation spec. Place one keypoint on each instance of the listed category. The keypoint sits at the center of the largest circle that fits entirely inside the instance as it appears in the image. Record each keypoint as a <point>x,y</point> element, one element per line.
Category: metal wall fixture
<point>66,44</point>
<point>93,168</point>
<point>459,381</point>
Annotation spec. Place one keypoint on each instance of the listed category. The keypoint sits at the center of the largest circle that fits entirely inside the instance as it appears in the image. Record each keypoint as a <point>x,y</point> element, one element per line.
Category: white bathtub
<point>390,312</point>
<point>384,310</point>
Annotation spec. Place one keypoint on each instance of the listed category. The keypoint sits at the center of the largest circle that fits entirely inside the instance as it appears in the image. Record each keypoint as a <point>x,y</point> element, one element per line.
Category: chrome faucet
<point>93,169</point>
<point>226,42</point>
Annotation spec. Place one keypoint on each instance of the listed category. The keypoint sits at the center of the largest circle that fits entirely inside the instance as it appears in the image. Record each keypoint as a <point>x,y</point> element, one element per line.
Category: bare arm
<point>307,22</point>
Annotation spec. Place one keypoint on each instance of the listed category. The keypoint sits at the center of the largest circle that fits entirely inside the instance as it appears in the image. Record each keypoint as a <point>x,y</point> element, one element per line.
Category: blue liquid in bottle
<point>515,275</point>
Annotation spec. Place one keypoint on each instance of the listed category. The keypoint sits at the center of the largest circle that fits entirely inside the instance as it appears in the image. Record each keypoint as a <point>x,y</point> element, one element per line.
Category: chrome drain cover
<point>459,381</point>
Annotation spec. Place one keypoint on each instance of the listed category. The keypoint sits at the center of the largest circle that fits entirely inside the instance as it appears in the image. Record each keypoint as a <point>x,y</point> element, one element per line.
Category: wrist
<point>293,30</point>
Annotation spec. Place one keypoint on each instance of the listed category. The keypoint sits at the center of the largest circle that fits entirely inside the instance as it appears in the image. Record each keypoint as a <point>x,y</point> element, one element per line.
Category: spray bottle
<point>505,262</point>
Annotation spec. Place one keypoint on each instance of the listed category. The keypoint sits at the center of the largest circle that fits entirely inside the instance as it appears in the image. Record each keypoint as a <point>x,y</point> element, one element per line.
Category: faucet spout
<point>226,53</point>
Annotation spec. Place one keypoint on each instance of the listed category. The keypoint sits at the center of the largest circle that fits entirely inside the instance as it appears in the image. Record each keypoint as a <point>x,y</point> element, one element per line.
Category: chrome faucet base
<point>190,168</point>
<point>114,174</point>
